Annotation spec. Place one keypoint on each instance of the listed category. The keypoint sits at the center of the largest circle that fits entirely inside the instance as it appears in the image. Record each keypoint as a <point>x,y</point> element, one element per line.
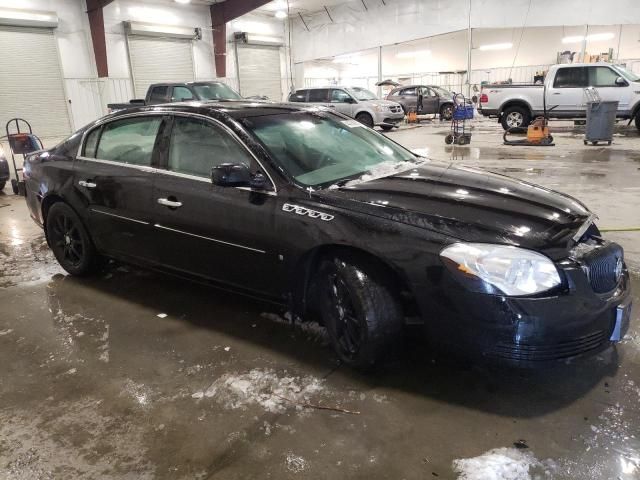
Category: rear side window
<point>91,143</point>
<point>299,96</point>
<point>602,77</point>
<point>339,96</point>
<point>159,94</point>
<point>571,77</point>
<point>197,146</point>
<point>129,141</point>
<point>319,95</point>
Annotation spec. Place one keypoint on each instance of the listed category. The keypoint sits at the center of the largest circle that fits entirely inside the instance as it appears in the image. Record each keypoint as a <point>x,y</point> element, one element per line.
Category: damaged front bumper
<point>576,319</point>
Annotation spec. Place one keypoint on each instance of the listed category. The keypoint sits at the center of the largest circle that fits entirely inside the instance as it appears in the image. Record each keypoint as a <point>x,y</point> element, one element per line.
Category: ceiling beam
<point>221,14</point>
<point>96,25</point>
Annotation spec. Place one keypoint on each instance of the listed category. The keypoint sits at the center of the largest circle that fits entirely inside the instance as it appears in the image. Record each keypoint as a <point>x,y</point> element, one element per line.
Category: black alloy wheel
<point>69,240</point>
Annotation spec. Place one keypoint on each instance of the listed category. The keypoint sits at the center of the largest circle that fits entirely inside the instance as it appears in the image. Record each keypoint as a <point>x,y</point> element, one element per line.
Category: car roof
<point>179,84</point>
<point>232,108</point>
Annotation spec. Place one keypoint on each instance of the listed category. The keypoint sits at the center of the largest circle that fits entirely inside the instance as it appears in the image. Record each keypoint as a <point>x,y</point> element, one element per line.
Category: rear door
<point>225,234</point>
<point>341,101</point>
<point>566,92</point>
<point>430,100</point>
<point>319,96</point>
<point>409,98</point>
<point>115,176</point>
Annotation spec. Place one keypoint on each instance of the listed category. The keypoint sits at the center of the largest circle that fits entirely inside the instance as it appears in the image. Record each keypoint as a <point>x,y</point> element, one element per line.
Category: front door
<point>430,101</point>
<point>342,101</point>
<point>224,234</point>
<point>115,175</point>
<point>566,93</point>
<point>603,79</point>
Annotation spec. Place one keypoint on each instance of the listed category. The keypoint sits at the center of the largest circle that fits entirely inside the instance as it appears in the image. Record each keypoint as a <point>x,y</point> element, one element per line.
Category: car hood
<point>380,103</point>
<point>467,204</point>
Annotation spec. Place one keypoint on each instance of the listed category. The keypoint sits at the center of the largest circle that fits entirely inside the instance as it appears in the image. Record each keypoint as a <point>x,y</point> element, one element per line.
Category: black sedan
<point>315,211</point>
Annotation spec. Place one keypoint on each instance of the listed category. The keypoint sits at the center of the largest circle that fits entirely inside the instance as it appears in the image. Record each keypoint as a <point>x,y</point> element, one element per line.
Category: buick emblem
<point>619,268</point>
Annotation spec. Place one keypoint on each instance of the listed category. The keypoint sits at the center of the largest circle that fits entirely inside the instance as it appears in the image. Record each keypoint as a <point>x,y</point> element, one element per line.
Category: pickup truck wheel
<point>515,117</point>
<point>446,112</point>
<point>365,119</point>
<point>70,241</point>
<point>362,315</point>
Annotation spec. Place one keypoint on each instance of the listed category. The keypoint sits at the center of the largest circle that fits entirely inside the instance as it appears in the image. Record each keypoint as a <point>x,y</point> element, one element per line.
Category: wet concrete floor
<point>135,375</point>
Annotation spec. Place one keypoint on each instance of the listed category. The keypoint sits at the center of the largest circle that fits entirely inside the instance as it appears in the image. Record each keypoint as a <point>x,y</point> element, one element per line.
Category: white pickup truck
<point>516,105</point>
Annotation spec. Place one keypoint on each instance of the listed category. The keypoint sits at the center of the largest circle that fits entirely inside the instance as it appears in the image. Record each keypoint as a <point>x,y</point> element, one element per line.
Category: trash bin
<point>601,117</point>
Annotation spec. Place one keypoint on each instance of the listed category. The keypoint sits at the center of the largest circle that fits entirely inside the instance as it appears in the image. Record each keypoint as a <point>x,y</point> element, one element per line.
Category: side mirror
<point>349,100</point>
<point>621,82</point>
<point>258,182</point>
<point>231,175</point>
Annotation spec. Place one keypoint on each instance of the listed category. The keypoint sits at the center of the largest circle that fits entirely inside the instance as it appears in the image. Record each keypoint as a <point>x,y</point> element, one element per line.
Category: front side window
<point>159,94</point>
<point>196,146</point>
<point>570,77</point>
<point>602,77</point>
<point>129,141</point>
<point>319,95</point>
<point>339,96</point>
<point>181,94</point>
<point>215,91</point>
<point>319,148</point>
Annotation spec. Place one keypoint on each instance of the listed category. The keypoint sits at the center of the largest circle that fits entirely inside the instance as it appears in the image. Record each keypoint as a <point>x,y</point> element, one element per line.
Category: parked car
<point>434,99</point>
<point>179,92</point>
<point>309,208</point>
<point>4,169</point>
<point>355,102</point>
<point>516,105</point>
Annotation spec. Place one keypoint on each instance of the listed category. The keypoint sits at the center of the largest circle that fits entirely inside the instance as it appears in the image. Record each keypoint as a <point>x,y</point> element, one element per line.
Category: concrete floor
<point>135,375</point>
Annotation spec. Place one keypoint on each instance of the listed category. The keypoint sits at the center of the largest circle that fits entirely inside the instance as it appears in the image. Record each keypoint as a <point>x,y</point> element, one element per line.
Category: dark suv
<point>434,99</point>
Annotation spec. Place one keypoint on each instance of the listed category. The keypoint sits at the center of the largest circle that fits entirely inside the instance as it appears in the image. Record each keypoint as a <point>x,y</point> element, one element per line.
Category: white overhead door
<point>259,71</point>
<point>156,60</point>
<point>31,81</point>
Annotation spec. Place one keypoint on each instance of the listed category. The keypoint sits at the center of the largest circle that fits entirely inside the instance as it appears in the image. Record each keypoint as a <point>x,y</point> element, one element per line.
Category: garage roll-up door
<point>156,60</point>
<point>259,71</point>
<point>31,81</point>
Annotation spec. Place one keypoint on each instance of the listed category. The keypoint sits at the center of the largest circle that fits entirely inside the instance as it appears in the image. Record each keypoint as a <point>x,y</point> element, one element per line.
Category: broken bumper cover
<point>530,331</point>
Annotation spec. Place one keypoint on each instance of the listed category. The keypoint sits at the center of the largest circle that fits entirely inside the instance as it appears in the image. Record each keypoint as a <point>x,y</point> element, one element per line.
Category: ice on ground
<point>263,387</point>
<point>5,332</point>
<point>502,464</point>
<point>295,463</point>
<point>313,330</point>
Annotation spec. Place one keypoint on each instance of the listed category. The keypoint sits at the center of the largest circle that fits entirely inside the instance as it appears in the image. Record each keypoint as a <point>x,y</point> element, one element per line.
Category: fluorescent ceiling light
<point>182,1</point>
<point>346,58</point>
<point>281,14</point>
<point>594,37</point>
<point>415,53</point>
<point>496,46</point>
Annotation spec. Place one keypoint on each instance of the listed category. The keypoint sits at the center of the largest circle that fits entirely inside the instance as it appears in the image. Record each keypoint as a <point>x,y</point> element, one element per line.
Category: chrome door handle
<point>169,203</point>
<point>87,184</point>
<point>556,93</point>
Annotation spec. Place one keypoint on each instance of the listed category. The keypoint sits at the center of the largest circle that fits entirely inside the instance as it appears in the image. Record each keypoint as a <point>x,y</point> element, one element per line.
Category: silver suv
<point>355,102</point>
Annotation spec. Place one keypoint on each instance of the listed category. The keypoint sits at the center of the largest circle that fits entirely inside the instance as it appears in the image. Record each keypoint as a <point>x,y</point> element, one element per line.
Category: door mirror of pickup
<point>621,82</point>
<point>231,175</point>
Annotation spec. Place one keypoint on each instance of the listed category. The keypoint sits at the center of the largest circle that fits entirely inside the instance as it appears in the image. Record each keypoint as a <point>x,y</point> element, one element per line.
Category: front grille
<point>395,109</point>
<point>557,351</point>
<point>603,267</point>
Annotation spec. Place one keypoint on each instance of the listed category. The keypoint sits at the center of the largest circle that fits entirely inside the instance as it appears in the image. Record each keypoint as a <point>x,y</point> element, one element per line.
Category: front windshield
<point>443,92</point>
<point>632,77</point>
<point>319,149</point>
<point>362,93</point>
<point>215,91</point>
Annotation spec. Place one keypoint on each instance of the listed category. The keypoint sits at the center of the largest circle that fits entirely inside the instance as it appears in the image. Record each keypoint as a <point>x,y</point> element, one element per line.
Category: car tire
<point>515,117</point>
<point>2,185</point>
<point>446,111</point>
<point>638,121</point>
<point>360,310</point>
<point>70,241</point>
<point>365,119</point>
<point>449,139</point>
<point>386,128</point>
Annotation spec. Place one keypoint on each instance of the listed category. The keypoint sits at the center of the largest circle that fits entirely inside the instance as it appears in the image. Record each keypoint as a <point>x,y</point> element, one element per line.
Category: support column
<point>96,25</point>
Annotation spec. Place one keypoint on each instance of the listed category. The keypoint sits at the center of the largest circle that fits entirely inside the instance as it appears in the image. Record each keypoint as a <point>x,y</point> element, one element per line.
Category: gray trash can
<point>601,118</point>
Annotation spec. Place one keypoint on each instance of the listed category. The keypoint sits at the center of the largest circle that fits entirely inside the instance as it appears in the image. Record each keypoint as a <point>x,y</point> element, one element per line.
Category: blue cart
<point>462,112</point>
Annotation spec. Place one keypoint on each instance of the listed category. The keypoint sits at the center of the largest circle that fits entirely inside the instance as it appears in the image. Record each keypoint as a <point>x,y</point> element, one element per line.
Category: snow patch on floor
<point>312,330</point>
<point>262,387</point>
<point>295,463</point>
<point>502,464</point>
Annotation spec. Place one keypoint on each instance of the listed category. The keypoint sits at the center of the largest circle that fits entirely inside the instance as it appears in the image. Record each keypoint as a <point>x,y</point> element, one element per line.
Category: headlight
<point>500,269</point>
<point>378,108</point>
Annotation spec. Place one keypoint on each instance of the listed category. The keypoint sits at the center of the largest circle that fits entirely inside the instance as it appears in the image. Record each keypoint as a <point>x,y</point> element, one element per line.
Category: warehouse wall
<point>355,28</point>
